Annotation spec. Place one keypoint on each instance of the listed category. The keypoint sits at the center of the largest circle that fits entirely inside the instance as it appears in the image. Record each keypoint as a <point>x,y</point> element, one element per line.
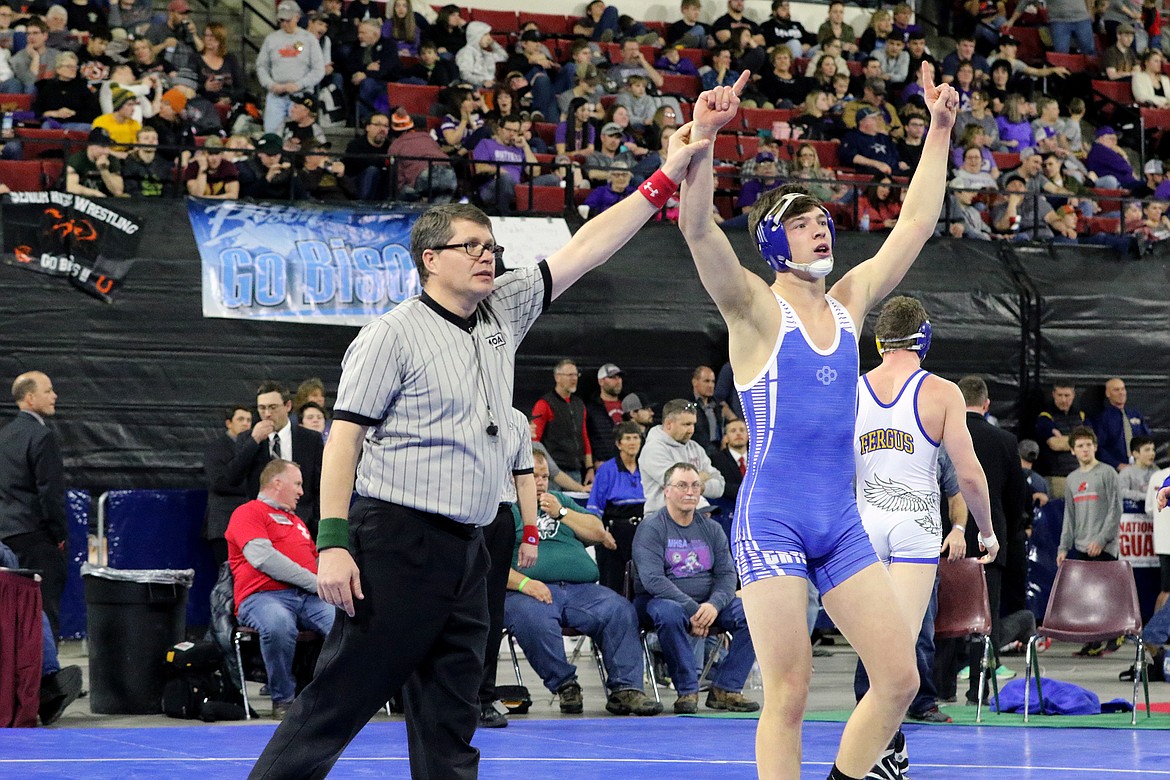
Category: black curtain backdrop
<point>142,380</point>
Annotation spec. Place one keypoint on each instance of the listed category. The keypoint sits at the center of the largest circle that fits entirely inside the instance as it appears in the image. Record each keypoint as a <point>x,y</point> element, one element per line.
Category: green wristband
<point>332,532</point>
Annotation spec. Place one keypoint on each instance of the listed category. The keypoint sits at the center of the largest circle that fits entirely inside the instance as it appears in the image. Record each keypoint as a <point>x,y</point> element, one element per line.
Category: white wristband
<point>988,541</point>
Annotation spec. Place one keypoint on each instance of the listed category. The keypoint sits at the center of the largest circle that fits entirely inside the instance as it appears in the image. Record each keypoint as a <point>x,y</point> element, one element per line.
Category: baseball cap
<point>531,35</point>
<point>866,111</point>
<point>612,128</point>
<point>1125,27</point>
<point>1154,167</point>
<point>765,157</point>
<point>319,146</point>
<point>1105,130</point>
<point>288,9</point>
<point>99,136</point>
<point>307,100</point>
<point>608,370</point>
<point>635,401</point>
<point>1029,450</point>
<point>178,7</point>
<point>269,143</point>
<point>401,121</point>
<point>1007,40</point>
<point>1014,177</point>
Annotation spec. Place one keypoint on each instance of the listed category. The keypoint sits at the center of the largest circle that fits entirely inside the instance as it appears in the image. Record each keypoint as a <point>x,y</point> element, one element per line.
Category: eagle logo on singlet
<point>892,496</point>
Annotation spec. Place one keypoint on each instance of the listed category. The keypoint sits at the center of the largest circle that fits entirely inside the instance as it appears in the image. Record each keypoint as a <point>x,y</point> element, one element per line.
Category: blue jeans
<point>49,662</point>
<point>278,615</point>
<point>594,610</point>
<point>608,22</point>
<point>671,622</point>
<point>276,112</point>
<point>372,97</point>
<point>544,99</point>
<point>927,698</point>
<point>1065,33</point>
<point>1157,631</point>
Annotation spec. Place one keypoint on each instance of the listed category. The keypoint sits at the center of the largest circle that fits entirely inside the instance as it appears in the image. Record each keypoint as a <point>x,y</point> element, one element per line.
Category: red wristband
<point>658,189</point>
<point>529,535</point>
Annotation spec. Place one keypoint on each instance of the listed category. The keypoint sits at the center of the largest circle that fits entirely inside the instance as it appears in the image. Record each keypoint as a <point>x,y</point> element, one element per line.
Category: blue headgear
<point>921,339</point>
<point>773,241</point>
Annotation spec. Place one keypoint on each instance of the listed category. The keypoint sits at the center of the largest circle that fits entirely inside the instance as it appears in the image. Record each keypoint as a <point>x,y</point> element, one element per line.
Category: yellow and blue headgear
<point>920,337</point>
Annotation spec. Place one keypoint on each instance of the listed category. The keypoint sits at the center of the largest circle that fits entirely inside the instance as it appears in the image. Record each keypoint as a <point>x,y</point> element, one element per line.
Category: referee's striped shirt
<point>422,379</point>
<point>520,434</point>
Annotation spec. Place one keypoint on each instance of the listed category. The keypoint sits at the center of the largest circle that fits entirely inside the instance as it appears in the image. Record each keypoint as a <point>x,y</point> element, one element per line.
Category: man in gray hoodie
<point>477,60</point>
<point>290,61</point>
<point>671,443</point>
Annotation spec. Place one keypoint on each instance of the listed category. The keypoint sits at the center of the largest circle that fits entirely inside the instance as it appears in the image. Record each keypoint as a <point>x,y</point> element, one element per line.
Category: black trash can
<point>133,616</point>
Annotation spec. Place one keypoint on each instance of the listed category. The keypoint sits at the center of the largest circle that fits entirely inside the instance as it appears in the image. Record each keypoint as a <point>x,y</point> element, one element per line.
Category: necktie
<point>1127,427</point>
<point>276,446</point>
<point>742,466</point>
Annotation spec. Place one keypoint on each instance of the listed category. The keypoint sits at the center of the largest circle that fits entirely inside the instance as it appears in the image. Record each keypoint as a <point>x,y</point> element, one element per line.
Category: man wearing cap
<point>1008,47</point>
<point>209,175</point>
<point>1109,162</point>
<point>370,66</point>
<point>290,61</point>
<point>637,408</point>
<point>587,86</point>
<point>267,175</point>
<point>598,163</point>
<point>1119,61</point>
<point>601,198</point>
<point>869,150</point>
<point>538,70</point>
<point>421,169</point>
<point>120,123</point>
<point>176,38</point>
<point>873,96</point>
<point>95,172</point>
<point>321,175</point>
<point>1155,174</point>
<point>302,121</point>
<point>1031,170</point>
<point>1024,216</point>
<point>501,158</point>
<point>37,60</point>
<point>603,414</point>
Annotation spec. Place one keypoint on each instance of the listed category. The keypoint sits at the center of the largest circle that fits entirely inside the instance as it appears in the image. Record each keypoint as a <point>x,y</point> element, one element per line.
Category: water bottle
<point>864,224</point>
<point>1166,667</point>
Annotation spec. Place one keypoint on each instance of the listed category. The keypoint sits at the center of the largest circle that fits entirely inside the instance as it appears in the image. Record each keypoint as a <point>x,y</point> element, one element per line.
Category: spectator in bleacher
<point>94,65</point>
<point>175,134</point>
<point>656,133</point>
<point>961,218</point>
<point>267,175</point>
<point>965,50</point>
<point>998,86</point>
<point>974,135</point>
<point>834,26</point>
<point>965,84</point>
<point>36,61</point>
<point>1119,60</point>
<point>720,74</point>
<point>874,96</point>
<point>1109,162</point>
<point>806,168</point>
<point>503,103</point>
<point>415,178</point>
<point>220,77</point>
<point>577,135</point>
<point>1031,170</point>
<point>916,47</point>
<point>816,123</point>
<point>146,92</point>
<point>640,106</point>
<point>370,66</point>
<point>895,61</point>
<point>365,158</point>
<point>1118,14</point>
<point>175,39</point>
<point>10,40</point>
<point>971,174</point>
<point>1060,182</point>
<point>1119,422</point>
<point>873,38</point>
<point>289,62</point>
<point>631,141</point>
<point>302,121</point>
<point>538,71</point>
<point>746,54</point>
<point>781,28</point>
<point>477,60</point>
<point>779,85</point>
<point>1015,129</point>
<point>980,114</point>
<point>57,20</point>
<point>237,148</point>
<point>634,62</point>
<point>501,159</point>
<point>448,32</point>
<point>672,61</point>
<point>94,172</point>
<point>588,88</point>
<point>880,203</point>
<point>401,28</point>
<point>910,146</point>
<point>580,55</point>
<point>1020,216</point>
<point>145,62</point>
<point>617,187</point>
<point>462,120</point>
<point>821,72</point>
<point>765,177</point>
<point>722,27</point>
<point>600,22</point>
<point>431,68</point>
<point>209,175</point>
<point>982,20</point>
<point>608,152</point>
<point>688,31</point>
<point>903,25</point>
<point>363,10</point>
<point>147,174</point>
<point>320,177</point>
<point>85,16</point>
<point>65,98</point>
<point>868,149</point>
<point>1150,85</point>
<point>120,123</point>
<point>871,68</point>
<point>1155,174</point>
<point>832,48</point>
<point>130,17</point>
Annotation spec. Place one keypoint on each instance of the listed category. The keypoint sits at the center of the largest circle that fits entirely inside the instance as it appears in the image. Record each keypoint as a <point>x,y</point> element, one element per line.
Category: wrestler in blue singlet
<point>796,513</point>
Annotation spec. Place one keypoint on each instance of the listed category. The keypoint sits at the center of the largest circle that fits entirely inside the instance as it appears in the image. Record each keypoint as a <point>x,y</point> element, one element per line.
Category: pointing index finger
<point>741,82</point>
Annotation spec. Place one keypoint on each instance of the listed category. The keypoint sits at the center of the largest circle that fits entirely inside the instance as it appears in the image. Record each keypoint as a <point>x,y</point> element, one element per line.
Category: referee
<point>425,391</point>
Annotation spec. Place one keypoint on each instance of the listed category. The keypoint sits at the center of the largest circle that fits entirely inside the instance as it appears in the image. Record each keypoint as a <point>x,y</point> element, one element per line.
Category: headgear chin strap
<point>920,337</point>
<point>772,240</point>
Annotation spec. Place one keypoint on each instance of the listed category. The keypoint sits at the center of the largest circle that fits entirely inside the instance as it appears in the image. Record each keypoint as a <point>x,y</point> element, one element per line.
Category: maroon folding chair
<point>964,611</point>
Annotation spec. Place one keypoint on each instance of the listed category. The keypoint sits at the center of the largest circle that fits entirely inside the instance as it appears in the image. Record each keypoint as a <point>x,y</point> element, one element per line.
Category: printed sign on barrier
<point>1137,540</point>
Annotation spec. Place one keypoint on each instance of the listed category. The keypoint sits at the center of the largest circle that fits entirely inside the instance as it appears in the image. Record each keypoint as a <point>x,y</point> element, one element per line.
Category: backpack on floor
<point>515,697</point>
<point>195,688</point>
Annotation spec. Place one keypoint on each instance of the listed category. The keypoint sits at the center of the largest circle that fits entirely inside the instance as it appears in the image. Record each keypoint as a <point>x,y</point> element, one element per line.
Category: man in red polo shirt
<point>274,569</point>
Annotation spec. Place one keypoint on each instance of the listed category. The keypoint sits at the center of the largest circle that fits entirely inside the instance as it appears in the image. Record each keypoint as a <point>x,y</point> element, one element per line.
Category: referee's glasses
<point>474,249</point>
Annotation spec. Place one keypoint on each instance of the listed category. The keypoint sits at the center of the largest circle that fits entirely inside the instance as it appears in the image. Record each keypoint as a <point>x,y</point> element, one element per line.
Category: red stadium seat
<point>827,152</point>
<point>15,102</point>
<point>854,177</point>
<point>1108,200</point>
<point>855,68</point>
<point>416,99</point>
<point>550,24</point>
<point>842,214</point>
<point>52,173</point>
<point>22,175</point>
<point>612,52</point>
<point>37,143</point>
<point>1118,92</point>
<point>1031,48</point>
<point>683,86</point>
<point>1006,161</point>
<point>728,149</point>
<point>500,21</point>
<point>657,27</point>
<point>547,131</point>
<point>1076,63</point>
<point>764,118</point>
<point>1099,225</point>
<point>540,200</point>
<point>694,55</point>
<point>504,39</point>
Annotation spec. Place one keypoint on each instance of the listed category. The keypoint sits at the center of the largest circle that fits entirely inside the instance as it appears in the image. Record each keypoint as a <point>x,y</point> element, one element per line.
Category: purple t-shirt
<point>1018,131</point>
<point>586,138</point>
<point>1104,161</point>
<point>490,150</point>
<point>602,198</point>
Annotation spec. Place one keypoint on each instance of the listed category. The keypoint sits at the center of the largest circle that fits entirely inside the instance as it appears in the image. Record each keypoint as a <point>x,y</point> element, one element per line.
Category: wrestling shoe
<point>901,756</point>
<point>572,702</point>
<point>886,768</point>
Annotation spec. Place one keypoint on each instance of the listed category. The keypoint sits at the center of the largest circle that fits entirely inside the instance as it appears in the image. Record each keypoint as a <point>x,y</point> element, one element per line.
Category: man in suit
<point>998,454</point>
<point>32,489</point>
<point>708,414</point>
<point>276,437</point>
<point>731,461</point>
<point>224,494</point>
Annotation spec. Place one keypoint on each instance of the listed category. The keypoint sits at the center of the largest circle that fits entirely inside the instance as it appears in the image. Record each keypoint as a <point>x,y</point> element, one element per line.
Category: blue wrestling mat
<point>680,748</point>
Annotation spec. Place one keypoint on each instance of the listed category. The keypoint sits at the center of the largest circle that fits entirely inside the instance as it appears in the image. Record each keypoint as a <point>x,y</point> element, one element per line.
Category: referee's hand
<point>338,579</point>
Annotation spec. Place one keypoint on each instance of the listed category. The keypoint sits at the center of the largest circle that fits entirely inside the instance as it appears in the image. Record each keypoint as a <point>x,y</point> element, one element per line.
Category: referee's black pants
<point>500,538</point>
<point>421,627</point>
<point>37,550</point>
